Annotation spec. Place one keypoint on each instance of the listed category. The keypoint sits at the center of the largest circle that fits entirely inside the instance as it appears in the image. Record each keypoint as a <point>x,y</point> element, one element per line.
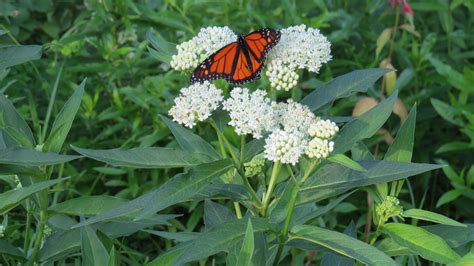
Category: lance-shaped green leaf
<point>87,205</point>
<point>431,216</point>
<point>163,50</point>
<point>365,126</point>
<point>334,179</point>
<point>190,141</point>
<point>12,198</point>
<point>147,157</point>
<point>29,157</point>
<point>216,214</point>
<point>179,188</point>
<point>93,251</point>
<point>18,131</point>
<point>402,147</point>
<point>424,243</point>
<point>346,161</point>
<point>342,244</point>
<point>455,236</point>
<point>12,55</point>
<point>355,81</point>
<point>246,252</point>
<point>63,122</point>
<point>10,250</point>
<point>222,238</point>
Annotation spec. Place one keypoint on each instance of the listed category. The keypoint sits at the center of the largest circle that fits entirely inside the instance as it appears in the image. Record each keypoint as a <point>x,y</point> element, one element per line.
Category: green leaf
<point>113,258</point>
<point>402,147</point>
<point>163,50</point>
<point>87,205</point>
<point>246,252</point>
<point>364,126</point>
<point>169,258</point>
<point>63,122</point>
<point>12,55</point>
<point>424,243</point>
<point>346,161</point>
<point>392,248</point>
<point>279,213</point>
<point>93,251</point>
<point>449,196</point>
<point>333,179</point>
<point>10,250</point>
<point>455,236</point>
<point>147,157</point>
<point>30,157</point>
<point>330,258</point>
<point>383,38</point>
<point>216,214</point>
<point>342,244</point>
<point>431,216</point>
<point>222,238</point>
<point>447,112</point>
<point>179,188</point>
<point>12,122</point>
<point>12,198</point>
<point>189,141</point>
<point>355,81</point>
<point>467,260</point>
<point>453,77</point>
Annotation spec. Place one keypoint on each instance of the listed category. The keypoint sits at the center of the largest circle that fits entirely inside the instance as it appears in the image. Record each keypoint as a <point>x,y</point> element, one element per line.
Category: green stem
<point>39,236</point>
<point>237,210</point>
<point>26,244</point>
<point>51,103</point>
<point>376,235</point>
<point>309,171</point>
<point>238,164</point>
<point>271,186</point>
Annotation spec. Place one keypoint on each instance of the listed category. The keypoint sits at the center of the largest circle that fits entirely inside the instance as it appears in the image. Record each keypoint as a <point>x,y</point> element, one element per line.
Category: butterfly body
<point>240,61</point>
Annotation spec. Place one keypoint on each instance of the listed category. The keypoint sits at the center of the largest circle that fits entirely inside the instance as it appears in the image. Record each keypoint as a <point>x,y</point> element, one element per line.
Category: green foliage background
<point>127,89</point>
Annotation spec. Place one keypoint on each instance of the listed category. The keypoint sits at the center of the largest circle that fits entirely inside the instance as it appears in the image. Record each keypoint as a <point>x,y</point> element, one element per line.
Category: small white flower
<point>195,103</point>
<point>250,113</point>
<point>299,48</point>
<point>293,116</point>
<point>209,40</point>
<point>324,129</point>
<point>285,147</point>
<point>319,148</point>
<point>212,39</point>
<point>187,56</point>
<point>281,76</point>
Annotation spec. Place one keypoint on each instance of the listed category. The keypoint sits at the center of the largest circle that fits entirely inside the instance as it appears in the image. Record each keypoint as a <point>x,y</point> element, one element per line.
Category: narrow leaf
<point>431,216</point>
<point>86,205</point>
<point>63,122</point>
<point>365,126</point>
<point>147,157</point>
<point>10,118</point>
<point>342,244</point>
<point>402,147</point>
<point>346,161</point>
<point>93,251</point>
<point>424,243</point>
<point>355,81</point>
<point>246,252</point>
<point>12,55</point>
<point>29,157</point>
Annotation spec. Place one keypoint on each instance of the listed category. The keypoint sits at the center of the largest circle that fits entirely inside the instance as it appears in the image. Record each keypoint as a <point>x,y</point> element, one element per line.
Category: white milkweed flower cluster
<point>293,130</point>
<point>250,113</point>
<point>196,103</point>
<point>300,47</point>
<point>284,146</point>
<point>297,120</point>
<point>209,40</point>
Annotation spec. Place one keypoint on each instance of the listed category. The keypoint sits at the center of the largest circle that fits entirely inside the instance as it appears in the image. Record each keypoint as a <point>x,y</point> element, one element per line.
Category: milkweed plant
<point>266,166</point>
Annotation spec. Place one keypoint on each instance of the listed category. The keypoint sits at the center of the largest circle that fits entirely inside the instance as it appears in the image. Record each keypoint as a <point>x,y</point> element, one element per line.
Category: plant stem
<point>271,186</point>
<point>309,171</point>
<point>51,103</point>
<point>26,244</point>
<point>237,210</point>
<point>238,164</point>
<point>39,236</point>
<point>286,226</point>
<point>242,149</point>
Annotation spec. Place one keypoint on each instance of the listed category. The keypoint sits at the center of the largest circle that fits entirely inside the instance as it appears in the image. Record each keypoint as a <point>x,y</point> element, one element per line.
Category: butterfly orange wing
<point>253,54</point>
<point>238,62</point>
<point>217,66</point>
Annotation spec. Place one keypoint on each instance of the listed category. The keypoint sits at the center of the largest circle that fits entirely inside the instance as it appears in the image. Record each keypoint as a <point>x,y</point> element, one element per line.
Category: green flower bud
<point>390,207</point>
<point>255,166</point>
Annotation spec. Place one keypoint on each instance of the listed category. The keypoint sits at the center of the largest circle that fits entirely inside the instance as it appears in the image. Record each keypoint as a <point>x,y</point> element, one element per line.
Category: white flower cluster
<point>209,40</point>
<point>250,113</point>
<point>284,146</point>
<point>299,48</point>
<point>297,120</point>
<point>196,103</point>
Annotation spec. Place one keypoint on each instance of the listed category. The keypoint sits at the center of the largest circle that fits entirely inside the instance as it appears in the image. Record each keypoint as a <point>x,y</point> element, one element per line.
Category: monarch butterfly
<point>240,61</point>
